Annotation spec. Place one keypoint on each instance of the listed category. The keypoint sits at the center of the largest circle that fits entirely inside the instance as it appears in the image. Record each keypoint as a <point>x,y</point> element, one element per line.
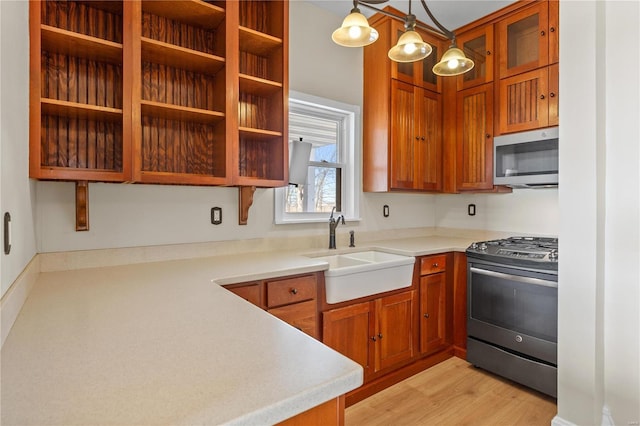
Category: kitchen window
<point>332,129</point>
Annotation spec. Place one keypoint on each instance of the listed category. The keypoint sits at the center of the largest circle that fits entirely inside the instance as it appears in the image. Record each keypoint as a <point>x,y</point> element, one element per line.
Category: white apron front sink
<point>365,273</point>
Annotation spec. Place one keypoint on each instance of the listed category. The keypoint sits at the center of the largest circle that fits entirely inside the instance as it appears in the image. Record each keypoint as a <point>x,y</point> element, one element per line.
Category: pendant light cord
<point>446,32</point>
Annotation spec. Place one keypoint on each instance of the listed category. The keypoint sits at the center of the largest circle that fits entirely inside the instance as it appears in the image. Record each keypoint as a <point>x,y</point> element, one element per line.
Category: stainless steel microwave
<point>526,159</point>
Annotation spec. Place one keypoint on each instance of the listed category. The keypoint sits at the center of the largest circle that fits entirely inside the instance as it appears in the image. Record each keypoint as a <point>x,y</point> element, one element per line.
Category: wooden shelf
<point>76,110</point>
<point>75,44</point>
<point>180,113</point>
<point>180,57</point>
<point>258,43</point>
<point>258,134</point>
<point>258,86</point>
<point>193,12</point>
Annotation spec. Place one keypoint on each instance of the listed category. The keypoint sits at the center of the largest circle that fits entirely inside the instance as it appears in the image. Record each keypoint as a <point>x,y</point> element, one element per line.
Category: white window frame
<point>350,146</point>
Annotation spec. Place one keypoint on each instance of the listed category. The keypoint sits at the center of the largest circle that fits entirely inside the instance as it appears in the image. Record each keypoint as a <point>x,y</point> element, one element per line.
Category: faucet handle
<point>332,210</point>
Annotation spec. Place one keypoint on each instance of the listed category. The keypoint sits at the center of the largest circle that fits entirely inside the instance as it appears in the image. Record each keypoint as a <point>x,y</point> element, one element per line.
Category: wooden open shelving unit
<point>170,92</point>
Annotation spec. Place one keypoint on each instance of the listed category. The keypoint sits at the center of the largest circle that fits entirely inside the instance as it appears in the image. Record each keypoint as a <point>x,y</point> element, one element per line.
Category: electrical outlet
<point>471,209</point>
<point>216,215</point>
<point>385,210</point>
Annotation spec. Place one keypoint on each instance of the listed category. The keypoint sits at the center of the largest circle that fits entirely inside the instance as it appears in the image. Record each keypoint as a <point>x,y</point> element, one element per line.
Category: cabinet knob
<point>294,291</point>
<point>488,53</point>
<point>435,265</point>
<point>380,335</point>
<point>422,138</point>
<point>426,315</point>
<point>541,96</point>
<point>552,29</point>
<point>487,136</point>
<point>417,138</point>
<point>552,94</point>
<point>542,33</point>
<point>374,338</point>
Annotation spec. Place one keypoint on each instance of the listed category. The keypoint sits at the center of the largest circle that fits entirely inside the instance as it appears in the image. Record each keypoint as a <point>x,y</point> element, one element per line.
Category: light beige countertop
<point>162,343</point>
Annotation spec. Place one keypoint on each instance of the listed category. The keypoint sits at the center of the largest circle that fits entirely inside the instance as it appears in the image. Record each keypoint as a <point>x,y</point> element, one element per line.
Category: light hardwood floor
<point>454,393</point>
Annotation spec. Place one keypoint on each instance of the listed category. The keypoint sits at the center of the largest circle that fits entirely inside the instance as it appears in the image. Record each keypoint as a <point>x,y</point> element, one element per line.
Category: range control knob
<point>474,246</point>
<point>482,246</point>
<point>553,254</point>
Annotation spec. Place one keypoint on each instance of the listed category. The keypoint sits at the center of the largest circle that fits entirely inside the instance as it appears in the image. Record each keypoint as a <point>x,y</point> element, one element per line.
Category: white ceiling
<point>452,14</point>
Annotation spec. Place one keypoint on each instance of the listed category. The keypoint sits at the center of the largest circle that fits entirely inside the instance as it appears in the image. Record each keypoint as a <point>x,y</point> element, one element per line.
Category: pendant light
<point>410,46</point>
<point>355,30</point>
<point>453,62</point>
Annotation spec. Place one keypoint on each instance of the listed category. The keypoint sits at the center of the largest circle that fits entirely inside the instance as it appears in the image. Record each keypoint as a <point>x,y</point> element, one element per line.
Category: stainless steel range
<point>512,311</point>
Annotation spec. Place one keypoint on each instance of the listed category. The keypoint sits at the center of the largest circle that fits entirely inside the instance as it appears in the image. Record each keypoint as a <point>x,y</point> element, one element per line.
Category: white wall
<point>599,319</point>
<point>16,191</point>
<point>522,212</point>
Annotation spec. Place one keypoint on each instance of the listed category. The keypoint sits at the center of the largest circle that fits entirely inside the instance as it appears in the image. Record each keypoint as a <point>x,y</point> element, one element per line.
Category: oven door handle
<point>527,280</point>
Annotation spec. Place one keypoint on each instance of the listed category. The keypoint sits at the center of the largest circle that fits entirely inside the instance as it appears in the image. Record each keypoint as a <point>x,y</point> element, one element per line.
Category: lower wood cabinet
<point>435,304</point>
<point>293,299</point>
<point>377,334</point>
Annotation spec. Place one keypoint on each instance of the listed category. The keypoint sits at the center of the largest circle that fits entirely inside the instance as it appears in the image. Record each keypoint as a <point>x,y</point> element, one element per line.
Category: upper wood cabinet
<point>402,117</point>
<point>80,98</point>
<point>179,80</point>
<point>529,101</point>
<point>477,44</point>
<point>528,39</point>
<point>419,73</point>
<point>262,150</point>
<point>474,140</point>
<point>174,92</point>
<point>416,138</point>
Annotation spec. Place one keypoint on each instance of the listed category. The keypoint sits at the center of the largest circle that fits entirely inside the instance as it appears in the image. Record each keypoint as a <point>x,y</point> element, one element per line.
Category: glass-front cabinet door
<point>477,45</point>
<point>417,73</point>
<point>523,39</point>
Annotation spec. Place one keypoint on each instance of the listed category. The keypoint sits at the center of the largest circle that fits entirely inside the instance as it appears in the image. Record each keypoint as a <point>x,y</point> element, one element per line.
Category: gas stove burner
<point>539,252</point>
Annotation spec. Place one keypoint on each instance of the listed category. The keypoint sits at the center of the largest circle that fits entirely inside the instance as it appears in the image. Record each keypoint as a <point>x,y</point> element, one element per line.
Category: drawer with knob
<point>433,264</point>
<point>291,290</point>
<point>300,315</point>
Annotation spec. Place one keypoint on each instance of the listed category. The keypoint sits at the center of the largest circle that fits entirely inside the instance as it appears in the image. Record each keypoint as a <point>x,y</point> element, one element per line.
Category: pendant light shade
<point>410,48</point>
<point>355,31</point>
<point>453,62</point>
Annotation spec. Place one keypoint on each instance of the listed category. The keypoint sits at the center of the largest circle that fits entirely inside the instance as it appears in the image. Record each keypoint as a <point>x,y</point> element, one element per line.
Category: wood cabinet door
<point>429,150</point>
<point>474,150</point>
<point>477,45</point>
<point>524,101</point>
<point>523,40</point>
<point>347,330</point>
<point>252,293</point>
<point>404,136</point>
<point>433,313</point>
<point>300,315</point>
<point>394,330</point>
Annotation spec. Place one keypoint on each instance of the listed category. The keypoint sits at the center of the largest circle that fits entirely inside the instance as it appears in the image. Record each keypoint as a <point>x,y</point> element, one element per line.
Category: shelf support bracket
<point>82,205</point>
<point>244,202</point>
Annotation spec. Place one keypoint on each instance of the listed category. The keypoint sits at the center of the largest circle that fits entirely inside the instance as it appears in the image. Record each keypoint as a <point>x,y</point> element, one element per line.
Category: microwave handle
<point>526,280</point>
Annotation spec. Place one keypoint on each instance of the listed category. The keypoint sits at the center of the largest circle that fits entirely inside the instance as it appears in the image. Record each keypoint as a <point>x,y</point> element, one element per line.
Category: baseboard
<point>607,418</point>
<point>559,421</point>
<point>14,298</point>
<point>396,376</point>
<point>460,352</point>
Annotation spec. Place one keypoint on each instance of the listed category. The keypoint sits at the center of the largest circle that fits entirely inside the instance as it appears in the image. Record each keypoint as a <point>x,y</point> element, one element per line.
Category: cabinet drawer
<point>250,293</point>
<point>433,264</point>
<point>291,290</point>
<point>300,315</point>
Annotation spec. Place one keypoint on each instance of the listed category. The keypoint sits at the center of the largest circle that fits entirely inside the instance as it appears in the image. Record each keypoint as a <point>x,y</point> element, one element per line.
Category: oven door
<point>513,309</point>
